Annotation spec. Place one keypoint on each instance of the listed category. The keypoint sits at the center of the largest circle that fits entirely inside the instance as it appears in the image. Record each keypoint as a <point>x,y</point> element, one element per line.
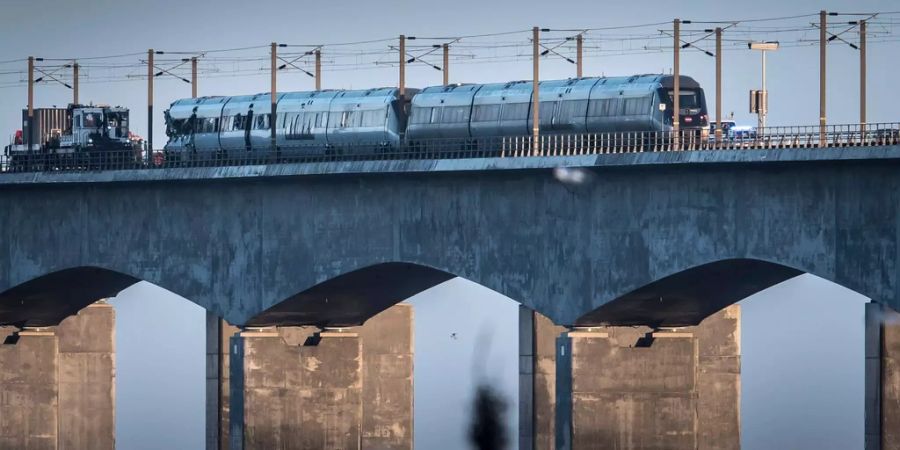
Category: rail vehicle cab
<point>692,104</point>
<point>192,126</point>
<point>91,128</point>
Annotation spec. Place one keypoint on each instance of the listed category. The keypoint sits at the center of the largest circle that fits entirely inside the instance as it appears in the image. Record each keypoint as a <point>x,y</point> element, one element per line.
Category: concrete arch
<point>50,298</point>
<point>352,298</point>
<point>687,297</point>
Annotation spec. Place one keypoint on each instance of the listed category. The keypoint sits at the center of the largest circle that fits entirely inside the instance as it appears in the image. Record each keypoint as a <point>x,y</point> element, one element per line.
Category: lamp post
<point>762,100</point>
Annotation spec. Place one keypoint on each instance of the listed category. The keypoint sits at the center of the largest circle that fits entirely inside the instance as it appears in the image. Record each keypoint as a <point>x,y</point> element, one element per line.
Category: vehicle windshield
<point>687,99</point>
<point>92,120</point>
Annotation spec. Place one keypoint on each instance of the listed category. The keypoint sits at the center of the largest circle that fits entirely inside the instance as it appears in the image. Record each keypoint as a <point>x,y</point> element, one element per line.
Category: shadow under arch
<point>48,299</point>
<point>687,297</point>
<point>352,298</point>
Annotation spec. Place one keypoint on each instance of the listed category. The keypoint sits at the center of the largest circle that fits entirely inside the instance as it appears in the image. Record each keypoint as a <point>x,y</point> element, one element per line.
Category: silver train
<point>373,120</point>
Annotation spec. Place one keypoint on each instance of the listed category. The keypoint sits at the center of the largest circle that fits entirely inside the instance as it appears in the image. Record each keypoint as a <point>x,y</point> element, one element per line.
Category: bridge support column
<point>57,385</point>
<point>29,390</point>
<point>882,378</point>
<point>387,380</point>
<point>87,374</point>
<point>537,380</point>
<point>632,388</point>
<point>305,389</point>
<point>218,336</point>
<point>295,388</point>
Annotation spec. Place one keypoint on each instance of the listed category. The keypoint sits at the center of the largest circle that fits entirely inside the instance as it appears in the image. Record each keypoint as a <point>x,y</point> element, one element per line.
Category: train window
<point>92,120</point>
<point>514,111</point>
<point>571,109</point>
<point>546,113</point>
<point>598,108</point>
<point>616,107</point>
<point>455,114</point>
<point>436,114</point>
<point>261,122</point>
<point>373,118</point>
<point>420,115</point>
<point>352,119</point>
<point>637,106</point>
<point>687,99</point>
<point>238,122</point>
<point>485,113</point>
<point>335,119</point>
<point>207,125</point>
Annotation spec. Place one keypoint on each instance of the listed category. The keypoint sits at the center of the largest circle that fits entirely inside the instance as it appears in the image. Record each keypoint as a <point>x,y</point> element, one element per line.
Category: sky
<point>802,340</point>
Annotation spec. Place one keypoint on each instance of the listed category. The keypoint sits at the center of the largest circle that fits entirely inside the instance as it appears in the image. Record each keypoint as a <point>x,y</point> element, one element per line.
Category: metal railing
<point>798,137</point>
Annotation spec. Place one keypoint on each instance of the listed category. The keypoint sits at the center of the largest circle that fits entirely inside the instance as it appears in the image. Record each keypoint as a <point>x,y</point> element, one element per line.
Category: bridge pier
<point>57,386</point>
<point>631,388</point>
<point>296,387</point>
<point>882,378</point>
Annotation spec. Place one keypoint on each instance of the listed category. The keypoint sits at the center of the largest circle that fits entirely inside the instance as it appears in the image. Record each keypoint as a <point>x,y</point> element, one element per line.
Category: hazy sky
<point>58,29</point>
<point>803,359</point>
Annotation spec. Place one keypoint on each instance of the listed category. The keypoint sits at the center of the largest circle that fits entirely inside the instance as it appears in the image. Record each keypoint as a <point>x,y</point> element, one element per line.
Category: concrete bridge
<point>652,239</point>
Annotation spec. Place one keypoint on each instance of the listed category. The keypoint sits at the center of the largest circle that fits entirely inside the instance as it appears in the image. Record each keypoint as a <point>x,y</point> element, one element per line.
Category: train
<point>466,115</point>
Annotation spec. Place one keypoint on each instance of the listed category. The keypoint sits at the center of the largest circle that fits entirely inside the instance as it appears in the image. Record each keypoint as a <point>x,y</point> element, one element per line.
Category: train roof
<point>368,97</point>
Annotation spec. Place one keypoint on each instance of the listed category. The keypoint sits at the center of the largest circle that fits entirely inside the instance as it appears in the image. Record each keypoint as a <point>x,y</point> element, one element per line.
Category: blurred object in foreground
<point>572,176</point>
<point>487,431</point>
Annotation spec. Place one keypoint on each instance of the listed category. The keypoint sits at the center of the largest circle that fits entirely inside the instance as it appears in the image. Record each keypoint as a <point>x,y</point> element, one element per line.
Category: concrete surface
<point>57,385</point>
<point>543,412</point>
<point>87,379</point>
<point>387,381</point>
<point>241,241</point>
<point>218,336</point>
<point>300,395</point>
<point>289,394</point>
<point>882,378</point>
<point>29,390</point>
<point>633,388</point>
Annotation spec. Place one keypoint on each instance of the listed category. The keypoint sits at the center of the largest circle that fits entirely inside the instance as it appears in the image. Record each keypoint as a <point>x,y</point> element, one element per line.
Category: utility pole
<point>75,82</point>
<point>446,67</point>
<point>150,106</point>
<point>862,79</point>
<point>402,66</point>
<point>30,123</point>
<point>272,96</point>
<point>318,69</point>
<point>194,77</point>
<point>718,84</point>
<point>579,43</point>
<point>535,96</point>
<point>676,84</point>
<point>823,23</point>
<point>763,100</point>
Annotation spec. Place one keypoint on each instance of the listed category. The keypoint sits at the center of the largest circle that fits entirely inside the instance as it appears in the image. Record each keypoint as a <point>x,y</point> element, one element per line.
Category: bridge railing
<point>800,137</point>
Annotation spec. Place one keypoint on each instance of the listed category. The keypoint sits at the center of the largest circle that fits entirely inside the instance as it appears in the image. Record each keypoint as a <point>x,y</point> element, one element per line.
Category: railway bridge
<point>599,245</point>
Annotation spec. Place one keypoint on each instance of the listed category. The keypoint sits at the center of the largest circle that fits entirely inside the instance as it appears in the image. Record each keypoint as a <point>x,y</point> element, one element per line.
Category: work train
<point>373,120</point>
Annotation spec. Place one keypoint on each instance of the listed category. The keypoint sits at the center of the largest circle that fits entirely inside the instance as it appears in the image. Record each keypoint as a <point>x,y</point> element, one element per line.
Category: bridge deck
<point>745,156</point>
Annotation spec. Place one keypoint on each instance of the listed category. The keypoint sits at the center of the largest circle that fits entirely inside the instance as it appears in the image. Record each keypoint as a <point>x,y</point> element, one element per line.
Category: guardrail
<point>810,137</point>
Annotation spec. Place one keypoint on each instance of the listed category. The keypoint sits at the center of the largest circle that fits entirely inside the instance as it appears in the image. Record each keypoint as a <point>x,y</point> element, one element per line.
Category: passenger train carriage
<point>466,116</point>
